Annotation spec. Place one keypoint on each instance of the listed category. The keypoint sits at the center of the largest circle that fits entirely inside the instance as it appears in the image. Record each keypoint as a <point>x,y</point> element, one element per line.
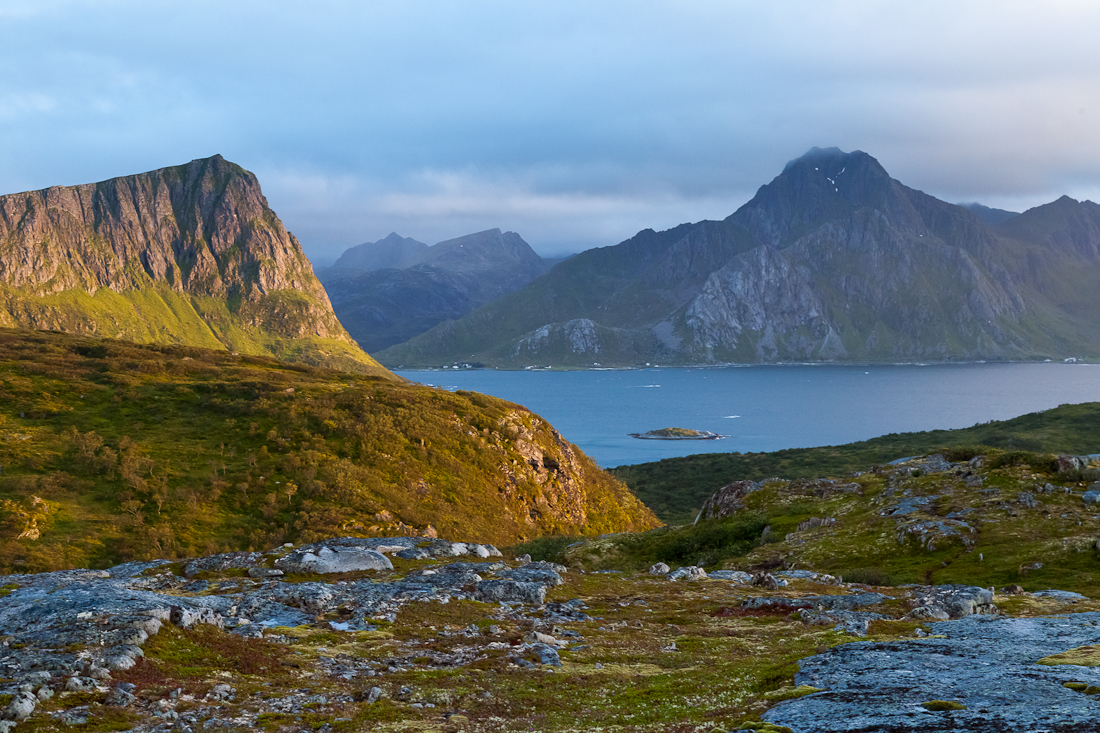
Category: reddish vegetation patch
<point>738,612</point>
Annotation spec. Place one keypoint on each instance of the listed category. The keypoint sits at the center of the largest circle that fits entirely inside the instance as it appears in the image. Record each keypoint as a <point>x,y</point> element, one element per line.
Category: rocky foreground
<point>414,634</point>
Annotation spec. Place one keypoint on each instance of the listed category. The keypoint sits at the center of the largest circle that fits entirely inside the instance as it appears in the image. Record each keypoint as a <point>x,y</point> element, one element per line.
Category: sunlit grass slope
<point>111,451</point>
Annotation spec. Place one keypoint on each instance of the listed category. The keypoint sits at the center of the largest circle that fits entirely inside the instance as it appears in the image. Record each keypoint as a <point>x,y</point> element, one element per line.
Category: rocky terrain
<point>408,633</point>
<point>403,634</point>
<point>185,255</point>
<point>388,291</point>
<point>833,260</point>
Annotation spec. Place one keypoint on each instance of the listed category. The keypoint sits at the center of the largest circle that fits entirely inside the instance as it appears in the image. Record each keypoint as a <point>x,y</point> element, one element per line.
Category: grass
<point>113,451</point>
<point>675,488</point>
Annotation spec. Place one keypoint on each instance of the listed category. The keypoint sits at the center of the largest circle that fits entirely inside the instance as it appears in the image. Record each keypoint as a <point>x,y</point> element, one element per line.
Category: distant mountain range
<point>185,255</point>
<point>389,291</point>
<point>833,260</point>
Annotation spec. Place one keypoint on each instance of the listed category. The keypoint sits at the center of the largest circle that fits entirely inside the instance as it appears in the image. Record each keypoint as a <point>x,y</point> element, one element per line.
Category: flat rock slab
<point>986,663</point>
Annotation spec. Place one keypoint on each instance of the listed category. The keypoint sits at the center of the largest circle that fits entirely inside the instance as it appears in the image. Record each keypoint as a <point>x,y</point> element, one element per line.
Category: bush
<point>867,576</point>
<point>1038,461</point>
<point>966,452</point>
<point>712,541</point>
<point>550,549</point>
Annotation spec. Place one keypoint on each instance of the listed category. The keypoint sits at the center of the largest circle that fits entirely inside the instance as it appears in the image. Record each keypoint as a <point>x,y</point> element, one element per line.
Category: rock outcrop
<point>191,254</point>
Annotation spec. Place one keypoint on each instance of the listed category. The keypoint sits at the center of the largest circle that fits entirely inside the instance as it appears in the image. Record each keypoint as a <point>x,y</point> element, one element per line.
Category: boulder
<point>691,572</point>
<point>324,559</point>
<point>659,569</point>
<point>510,591</point>
<point>727,500</point>
<point>956,601</point>
<point>737,576</point>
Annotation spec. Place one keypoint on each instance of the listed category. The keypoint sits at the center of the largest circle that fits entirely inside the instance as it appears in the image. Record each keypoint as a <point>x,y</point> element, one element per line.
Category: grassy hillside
<point>1009,519</point>
<point>276,325</point>
<point>111,451</point>
<point>675,488</point>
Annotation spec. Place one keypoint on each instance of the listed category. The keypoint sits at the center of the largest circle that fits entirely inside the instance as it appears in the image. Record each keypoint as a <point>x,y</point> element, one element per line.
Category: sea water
<point>766,408</point>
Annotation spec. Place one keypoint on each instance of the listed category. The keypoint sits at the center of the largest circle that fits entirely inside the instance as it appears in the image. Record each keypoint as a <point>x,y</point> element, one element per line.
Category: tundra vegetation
<point>111,451</point>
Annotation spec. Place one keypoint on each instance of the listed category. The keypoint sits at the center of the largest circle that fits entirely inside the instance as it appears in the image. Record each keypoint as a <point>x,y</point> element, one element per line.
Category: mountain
<point>113,451</point>
<point>189,255</point>
<point>389,291</point>
<point>833,260</point>
<point>393,251</point>
<point>989,215</point>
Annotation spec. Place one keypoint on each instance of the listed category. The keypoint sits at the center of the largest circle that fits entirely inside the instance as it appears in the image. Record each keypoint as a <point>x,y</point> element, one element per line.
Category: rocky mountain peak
<point>160,240</point>
<point>823,184</point>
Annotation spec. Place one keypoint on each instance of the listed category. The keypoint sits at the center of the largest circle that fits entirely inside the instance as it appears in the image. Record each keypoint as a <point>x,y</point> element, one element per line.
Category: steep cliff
<point>833,260</point>
<point>190,254</point>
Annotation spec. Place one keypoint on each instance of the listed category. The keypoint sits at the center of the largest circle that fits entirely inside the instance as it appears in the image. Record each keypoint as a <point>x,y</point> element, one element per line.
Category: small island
<point>677,434</point>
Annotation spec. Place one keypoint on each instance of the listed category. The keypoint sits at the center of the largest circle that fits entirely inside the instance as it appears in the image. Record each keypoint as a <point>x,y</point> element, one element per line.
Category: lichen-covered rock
<point>727,500</point>
<point>691,572</point>
<point>985,663</point>
<point>322,558</point>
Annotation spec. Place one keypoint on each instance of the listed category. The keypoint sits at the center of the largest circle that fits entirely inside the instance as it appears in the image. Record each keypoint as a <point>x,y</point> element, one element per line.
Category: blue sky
<point>574,124</point>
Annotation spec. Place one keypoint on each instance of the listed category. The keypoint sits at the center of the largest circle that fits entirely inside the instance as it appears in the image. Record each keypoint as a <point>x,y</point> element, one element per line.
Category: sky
<point>575,124</point>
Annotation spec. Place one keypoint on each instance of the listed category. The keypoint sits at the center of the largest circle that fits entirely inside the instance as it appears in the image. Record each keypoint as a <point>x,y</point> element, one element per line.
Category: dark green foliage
<point>867,576</point>
<point>1040,462</point>
<point>706,543</point>
<point>675,488</point>
<point>543,548</point>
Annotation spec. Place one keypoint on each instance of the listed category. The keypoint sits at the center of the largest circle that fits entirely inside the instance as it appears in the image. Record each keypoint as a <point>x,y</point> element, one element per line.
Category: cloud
<point>569,122</point>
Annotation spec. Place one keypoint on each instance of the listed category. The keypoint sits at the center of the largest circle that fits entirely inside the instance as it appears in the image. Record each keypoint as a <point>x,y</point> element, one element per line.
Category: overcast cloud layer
<point>574,124</point>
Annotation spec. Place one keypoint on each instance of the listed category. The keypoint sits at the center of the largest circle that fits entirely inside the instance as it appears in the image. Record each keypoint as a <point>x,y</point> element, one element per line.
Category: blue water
<point>767,408</point>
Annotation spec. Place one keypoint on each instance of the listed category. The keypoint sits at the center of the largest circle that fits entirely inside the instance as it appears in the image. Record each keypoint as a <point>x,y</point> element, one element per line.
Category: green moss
<point>1082,656</point>
<point>942,705</point>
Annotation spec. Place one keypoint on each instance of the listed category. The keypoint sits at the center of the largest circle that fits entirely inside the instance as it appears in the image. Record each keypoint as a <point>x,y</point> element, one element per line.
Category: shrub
<point>867,576</point>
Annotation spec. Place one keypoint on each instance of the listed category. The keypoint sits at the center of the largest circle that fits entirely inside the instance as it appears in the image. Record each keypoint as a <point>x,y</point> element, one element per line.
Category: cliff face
<point>833,260</point>
<point>189,254</point>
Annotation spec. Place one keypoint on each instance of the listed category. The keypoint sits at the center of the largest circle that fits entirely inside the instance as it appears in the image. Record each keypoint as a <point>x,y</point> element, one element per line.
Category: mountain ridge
<point>833,260</point>
<point>422,286</point>
<point>184,254</point>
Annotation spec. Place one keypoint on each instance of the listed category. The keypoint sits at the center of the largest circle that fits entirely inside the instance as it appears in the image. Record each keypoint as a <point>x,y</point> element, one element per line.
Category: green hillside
<point>675,488</point>
<point>112,451</point>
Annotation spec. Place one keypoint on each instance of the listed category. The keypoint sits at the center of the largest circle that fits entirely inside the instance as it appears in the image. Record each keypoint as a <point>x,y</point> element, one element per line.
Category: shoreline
<point>784,364</point>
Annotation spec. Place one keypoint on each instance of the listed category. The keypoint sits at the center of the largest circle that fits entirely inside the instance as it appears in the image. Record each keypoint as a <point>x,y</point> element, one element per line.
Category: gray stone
<point>261,572</point>
<point>986,663</point>
<point>855,623</point>
<point>546,654</point>
<point>320,558</point>
<point>737,576</point>
<point>21,707</point>
<point>691,572</point>
<point>956,601</point>
<point>1092,496</point>
<point>1061,595</point>
<point>510,591</point>
<point>659,569</point>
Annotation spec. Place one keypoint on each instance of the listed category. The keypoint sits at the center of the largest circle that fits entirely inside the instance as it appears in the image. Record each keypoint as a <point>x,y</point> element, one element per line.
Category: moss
<point>942,705</point>
<point>1082,656</point>
<point>1076,686</point>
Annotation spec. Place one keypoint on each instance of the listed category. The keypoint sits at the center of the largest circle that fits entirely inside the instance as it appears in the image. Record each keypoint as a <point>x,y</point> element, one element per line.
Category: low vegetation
<point>111,451</point>
<point>675,488</point>
<point>1010,518</point>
